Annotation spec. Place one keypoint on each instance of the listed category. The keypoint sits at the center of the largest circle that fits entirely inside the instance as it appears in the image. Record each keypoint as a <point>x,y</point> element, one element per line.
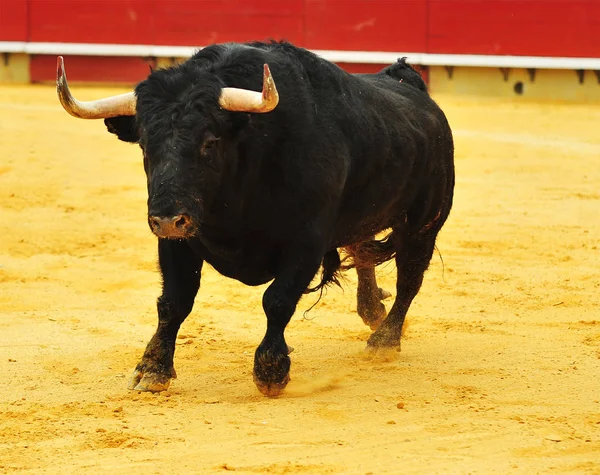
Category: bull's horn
<point>123,104</point>
<point>243,100</point>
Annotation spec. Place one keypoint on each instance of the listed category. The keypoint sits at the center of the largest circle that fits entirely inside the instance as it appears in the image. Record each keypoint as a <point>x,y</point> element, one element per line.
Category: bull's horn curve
<point>123,104</point>
<point>243,100</point>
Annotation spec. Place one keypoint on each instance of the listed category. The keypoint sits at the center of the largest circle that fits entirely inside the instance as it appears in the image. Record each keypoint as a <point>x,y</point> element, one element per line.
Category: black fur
<point>273,196</point>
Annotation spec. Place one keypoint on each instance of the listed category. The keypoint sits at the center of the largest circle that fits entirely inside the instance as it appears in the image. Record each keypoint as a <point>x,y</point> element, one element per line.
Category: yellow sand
<point>500,366</point>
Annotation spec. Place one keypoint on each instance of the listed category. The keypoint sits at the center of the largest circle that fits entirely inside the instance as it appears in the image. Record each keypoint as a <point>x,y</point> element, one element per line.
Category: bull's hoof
<point>371,310</point>
<point>383,345</point>
<point>271,370</point>
<point>271,389</point>
<point>373,315</point>
<point>147,381</point>
<point>382,353</point>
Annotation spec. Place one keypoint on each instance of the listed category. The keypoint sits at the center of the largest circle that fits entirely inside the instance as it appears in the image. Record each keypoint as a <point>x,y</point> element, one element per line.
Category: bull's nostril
<point>182,221</point>
<point>154,222</point>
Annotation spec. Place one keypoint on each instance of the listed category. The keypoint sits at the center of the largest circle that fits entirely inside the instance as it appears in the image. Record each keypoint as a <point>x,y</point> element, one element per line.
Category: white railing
<point>357,57</point>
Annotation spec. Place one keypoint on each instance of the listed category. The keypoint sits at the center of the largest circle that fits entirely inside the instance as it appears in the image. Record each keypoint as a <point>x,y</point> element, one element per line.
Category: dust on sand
<point>499,370</point>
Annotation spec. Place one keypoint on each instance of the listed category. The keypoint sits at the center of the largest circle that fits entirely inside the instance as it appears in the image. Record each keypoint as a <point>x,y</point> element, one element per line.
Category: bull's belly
<point>246,275</point>
<point>251,267</point>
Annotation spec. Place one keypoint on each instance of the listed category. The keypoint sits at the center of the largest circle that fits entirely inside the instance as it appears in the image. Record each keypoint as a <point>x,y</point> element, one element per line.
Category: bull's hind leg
<point>413,254</point>
<point>181,279</point>
<point>368,295</point>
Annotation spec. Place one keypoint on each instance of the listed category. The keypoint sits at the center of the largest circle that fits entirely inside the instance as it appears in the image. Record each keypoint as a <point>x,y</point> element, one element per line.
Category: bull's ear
<point>124,127</point>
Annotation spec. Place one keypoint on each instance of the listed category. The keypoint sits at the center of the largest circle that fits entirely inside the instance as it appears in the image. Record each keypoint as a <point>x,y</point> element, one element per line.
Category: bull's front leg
<point>180,270</point>
<point>271,360</point>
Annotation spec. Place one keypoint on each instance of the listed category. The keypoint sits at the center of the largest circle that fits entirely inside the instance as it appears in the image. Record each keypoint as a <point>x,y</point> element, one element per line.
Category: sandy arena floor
<point>500,366</point>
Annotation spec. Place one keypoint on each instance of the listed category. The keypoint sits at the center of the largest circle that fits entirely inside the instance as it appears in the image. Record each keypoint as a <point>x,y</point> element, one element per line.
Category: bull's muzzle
<point>171,227</point>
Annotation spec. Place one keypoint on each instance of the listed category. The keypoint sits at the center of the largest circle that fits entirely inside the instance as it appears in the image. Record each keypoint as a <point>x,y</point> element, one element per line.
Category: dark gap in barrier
<point>519,88</point>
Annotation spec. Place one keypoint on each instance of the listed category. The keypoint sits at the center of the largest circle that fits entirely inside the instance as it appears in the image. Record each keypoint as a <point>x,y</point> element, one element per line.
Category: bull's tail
<point>331,271</point>
<point>373,252</point>
<point>404,72</point>
<point>330,275</point>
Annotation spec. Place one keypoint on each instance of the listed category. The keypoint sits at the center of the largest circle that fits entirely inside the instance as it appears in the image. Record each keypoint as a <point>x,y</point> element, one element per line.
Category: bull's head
<point>179,119</point>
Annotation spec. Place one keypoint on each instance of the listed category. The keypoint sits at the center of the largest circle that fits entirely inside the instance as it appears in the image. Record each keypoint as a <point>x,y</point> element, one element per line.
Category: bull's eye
<point>209,143</point>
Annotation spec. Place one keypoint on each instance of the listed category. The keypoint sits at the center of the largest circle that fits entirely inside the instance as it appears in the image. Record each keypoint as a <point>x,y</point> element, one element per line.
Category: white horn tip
<point>269,93</point>
<point>60,70</point>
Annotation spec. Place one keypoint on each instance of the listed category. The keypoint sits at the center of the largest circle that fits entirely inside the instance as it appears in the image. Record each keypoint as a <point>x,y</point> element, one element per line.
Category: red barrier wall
<point>193,23</point>
<point>375,25</point>
<point>13,20</point>
<point>77,21</point>
<point>563,28</point>
<point>515,27</point>
<point>94,69</point>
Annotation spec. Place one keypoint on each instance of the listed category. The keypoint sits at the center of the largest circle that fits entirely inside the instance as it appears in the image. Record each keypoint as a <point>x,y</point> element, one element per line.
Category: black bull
<point>273,195</point>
